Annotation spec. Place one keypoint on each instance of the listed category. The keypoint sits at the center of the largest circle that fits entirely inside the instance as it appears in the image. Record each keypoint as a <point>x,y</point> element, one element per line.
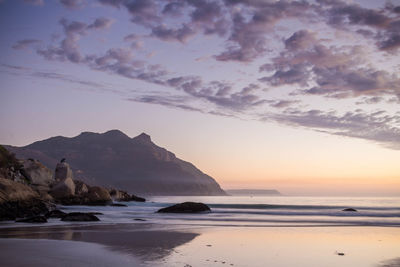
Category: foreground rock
<point>186,207</point>
<point>35,219</point>
<point>80,217</point>
<point>19,201</point>
<point>350,209</point>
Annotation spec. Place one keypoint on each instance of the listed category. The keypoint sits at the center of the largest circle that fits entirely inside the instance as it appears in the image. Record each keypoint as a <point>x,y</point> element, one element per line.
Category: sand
<point>175,245</point>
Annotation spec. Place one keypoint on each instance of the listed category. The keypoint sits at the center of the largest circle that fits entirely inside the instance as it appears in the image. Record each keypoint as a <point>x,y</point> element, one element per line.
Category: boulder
<point>55,214</point>
<point>37,173</point>
<point>138,199</point>
<point>349,209</point>
<point>80,188</point>
<point>63,189</point>
<point>119,195</point>
<point>18,200</point>
<point>63,171</point>
<point>98,195</point>
<point>79,217</point>
<point>186,207</point>
<point>34,219</point>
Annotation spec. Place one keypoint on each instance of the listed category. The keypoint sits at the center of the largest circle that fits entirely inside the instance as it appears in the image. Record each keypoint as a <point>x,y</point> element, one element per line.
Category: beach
<point>224,237</point>
<point>152,245</point>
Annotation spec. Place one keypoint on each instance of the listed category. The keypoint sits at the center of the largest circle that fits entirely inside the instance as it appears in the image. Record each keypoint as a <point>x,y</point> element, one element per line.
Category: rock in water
<point>35,219</point>
<point>138,199</point>
<point>349,209</point>
<point>186,207</point>
<point>55,214</point>
<point>80,217</point>
<point>98,195</point>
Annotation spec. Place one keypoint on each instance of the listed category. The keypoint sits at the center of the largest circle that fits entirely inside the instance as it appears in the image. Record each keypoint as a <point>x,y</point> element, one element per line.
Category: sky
<point>298,96</point>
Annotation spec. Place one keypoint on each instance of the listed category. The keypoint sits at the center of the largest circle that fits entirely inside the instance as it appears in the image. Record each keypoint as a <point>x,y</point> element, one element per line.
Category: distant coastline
<point>253,192</point>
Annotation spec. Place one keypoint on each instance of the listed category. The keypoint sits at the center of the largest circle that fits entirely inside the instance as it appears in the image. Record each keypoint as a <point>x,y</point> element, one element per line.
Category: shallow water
<point>252,211</point>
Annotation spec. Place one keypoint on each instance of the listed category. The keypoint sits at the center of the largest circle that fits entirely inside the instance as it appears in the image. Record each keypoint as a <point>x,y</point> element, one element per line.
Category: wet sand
<point>178,245</point>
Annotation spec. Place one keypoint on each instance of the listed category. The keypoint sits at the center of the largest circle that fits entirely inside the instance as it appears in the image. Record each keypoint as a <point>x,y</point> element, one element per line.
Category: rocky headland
<point>29,191</point>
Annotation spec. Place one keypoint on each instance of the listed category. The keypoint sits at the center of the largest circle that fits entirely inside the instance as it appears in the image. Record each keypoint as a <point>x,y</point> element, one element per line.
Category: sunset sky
<point>298,96</point>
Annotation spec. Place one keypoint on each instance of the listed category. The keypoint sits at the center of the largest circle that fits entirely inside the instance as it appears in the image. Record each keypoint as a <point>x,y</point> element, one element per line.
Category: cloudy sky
<point>301,96</point>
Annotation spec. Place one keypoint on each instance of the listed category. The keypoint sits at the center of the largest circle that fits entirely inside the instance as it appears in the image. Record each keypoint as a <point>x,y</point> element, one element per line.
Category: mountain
<point>253,192</point>
<point>114,159</point>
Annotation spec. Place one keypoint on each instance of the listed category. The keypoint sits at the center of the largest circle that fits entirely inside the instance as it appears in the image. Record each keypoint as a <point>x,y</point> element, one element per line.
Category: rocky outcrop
<point>186,207</point>
<point>65,185</point>
<point>63,171</point>
<point>80,217</point>
<point>119,195</point>
<point>37,173</point>
<point>18,200</point>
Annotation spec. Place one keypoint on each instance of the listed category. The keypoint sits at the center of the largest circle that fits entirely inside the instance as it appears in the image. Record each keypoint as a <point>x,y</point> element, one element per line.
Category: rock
<point>98,195</point>
<point>63,171</point>
<point>35,219</point>
<point>349,209</point>
<point>18,200</point>
<point>138,199</point>
<point>95,213</point>
<point>186,207</point>
<point>80,187</point>
<point>80,217</point>
<point>119,195</point>
<point>63,189</point>
<point>55,214</point>
<point>118,205</point>
<point>37,173</point>
<point>138,219</point>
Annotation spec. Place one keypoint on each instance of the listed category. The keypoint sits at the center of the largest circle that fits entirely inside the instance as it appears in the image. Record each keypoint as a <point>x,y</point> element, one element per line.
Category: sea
<point>257,211</point>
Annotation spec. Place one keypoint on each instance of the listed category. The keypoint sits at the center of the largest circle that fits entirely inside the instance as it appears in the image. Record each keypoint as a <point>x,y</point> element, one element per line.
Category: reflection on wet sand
<point>138,240</point>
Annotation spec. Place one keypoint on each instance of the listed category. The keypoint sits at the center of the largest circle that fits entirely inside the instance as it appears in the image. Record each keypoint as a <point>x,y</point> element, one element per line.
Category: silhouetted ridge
<point>114,159</point>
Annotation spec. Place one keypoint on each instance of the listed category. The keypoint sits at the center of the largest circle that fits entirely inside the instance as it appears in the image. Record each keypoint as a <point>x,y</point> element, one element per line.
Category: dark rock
<point>138,219</point>
<point>34,219</point>
<point>55,214</point>
<point>138,199</point>
<point>186,207</point>
<point>18,200</point>
<point>349,209</point>
<point>119,195</point>
<point>98,195</point>
<point>118,205</point>
<point>79,217</point>
<point>95,213</point>
<point>80,188</point>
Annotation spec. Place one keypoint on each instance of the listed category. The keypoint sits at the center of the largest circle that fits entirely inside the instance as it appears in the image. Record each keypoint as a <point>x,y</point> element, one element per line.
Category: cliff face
<point>114,159</point>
